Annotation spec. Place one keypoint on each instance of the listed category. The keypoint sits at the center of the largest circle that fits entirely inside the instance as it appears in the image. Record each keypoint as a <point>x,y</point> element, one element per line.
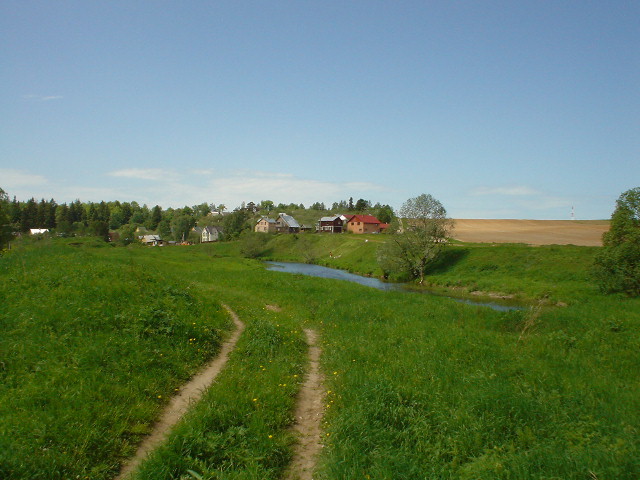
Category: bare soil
<point>189,394</point>
<point>532,232</point>
<point>308,416</point>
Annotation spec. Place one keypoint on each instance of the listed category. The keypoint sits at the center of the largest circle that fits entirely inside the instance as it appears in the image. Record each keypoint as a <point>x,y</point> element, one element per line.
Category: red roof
<point>365,219</point>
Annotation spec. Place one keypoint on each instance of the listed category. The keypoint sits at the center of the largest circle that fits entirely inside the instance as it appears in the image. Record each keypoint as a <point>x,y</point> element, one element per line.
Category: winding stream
<point>326,272</point>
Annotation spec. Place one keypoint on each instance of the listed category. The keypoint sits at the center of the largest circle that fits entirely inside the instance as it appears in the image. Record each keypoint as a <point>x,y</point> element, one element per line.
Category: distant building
<point>287,224</point>
<point>265,225</point>
<point>38,231</point>
<point>333,224</point>
<point>151,240</point>
<point>211,234</point>
<point>364,224</point>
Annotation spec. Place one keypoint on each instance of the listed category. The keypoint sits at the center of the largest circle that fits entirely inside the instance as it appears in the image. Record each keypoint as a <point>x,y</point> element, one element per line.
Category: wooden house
<point>287,224</point>
<point>330,224</point>
<point>265,225</point>
<point>364,224</point>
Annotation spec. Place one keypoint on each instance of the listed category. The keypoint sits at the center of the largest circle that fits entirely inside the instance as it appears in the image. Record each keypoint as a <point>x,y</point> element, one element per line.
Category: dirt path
<point>308,416</point>
<point>190,393</point>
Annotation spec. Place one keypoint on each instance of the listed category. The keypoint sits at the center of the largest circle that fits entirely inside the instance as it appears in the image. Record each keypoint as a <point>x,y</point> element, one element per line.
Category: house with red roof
<point>364,224</point>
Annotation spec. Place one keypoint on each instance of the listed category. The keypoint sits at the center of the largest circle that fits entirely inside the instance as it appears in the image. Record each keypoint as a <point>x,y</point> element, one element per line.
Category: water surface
<point>326,272</point>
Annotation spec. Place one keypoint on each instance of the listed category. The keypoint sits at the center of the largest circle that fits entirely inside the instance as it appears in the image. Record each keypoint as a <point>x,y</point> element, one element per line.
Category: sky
<point>498,109</point>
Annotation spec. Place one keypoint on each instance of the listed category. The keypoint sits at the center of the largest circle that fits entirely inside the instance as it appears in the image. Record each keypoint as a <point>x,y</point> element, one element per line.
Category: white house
<point>211,234</point>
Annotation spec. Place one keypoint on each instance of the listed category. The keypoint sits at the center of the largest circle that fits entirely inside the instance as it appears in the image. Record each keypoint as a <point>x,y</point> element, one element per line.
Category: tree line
<point>127,218</point>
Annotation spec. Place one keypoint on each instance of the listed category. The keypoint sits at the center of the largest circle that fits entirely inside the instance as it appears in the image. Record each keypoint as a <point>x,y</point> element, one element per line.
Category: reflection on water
<point>326,272</point>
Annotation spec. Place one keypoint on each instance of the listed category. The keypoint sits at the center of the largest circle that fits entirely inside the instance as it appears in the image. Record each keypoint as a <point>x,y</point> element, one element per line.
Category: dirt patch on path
<point>190,393</point>
<point>308,416</point>
<point>533,232</point>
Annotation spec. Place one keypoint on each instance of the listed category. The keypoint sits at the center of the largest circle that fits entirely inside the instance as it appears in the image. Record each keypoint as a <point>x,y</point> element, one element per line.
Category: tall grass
<point>416,386</point>
<point>91,348</point>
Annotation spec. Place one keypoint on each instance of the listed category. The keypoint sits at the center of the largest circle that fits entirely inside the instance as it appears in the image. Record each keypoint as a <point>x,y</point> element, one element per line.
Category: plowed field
<point>533,232</point>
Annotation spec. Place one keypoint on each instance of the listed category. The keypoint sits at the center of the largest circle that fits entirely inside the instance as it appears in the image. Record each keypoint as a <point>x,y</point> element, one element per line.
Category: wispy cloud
<point>195,186</point>
<point>11,179</point>
<point>41,98</point>
<point>511,191</point>
<point>144,173</point>
<point>514,200</point>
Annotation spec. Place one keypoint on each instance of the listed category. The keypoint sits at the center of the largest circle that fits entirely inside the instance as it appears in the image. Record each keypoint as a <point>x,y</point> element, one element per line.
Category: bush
<point>617,267</point>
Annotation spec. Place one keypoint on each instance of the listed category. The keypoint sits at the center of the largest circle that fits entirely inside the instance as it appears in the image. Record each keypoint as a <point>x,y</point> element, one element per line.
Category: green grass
<point>92,345</point>
<point>417,386</point>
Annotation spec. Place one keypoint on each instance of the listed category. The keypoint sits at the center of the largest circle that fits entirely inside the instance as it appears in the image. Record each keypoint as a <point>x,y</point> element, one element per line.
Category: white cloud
<point>144,173</point>
<point>516,190</point>
<point>41,98</point>
<point>12,179</point>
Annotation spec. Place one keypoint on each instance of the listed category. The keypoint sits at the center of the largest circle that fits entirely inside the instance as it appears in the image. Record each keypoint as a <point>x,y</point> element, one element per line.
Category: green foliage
<point>235,223</point>
<point>421,241</point>
<point>416,386</point>
<point>5,221</point>
<point>617,267</point>
<point>385,214</point>
<point>253,244</point>
<point>181,225</point>
<point>92,345</point>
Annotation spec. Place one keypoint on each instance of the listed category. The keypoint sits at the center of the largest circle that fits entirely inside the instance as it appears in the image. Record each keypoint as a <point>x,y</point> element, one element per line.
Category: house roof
<point>365,219</point>
<point>151,238</point>
<point>289,220</point>
<point>330,219</point>
<point>211,229</point>
<point>269,220</point>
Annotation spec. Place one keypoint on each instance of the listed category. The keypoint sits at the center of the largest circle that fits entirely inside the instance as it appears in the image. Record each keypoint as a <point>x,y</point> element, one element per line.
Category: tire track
<point>308,416</point>
<point>188,394</point>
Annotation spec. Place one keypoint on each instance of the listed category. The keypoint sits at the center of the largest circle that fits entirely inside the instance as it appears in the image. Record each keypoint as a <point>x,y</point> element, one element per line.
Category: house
<point>211,234</point>
<point>152,240</point>
<point>38,231</point>
<point>306,228</point>
<point>364,224</point>
<point>287,224</point>
<point>265,225</point>
<point>333,224</point>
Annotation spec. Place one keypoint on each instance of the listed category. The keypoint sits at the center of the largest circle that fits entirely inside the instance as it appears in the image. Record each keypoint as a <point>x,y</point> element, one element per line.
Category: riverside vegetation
<point>94,341</point>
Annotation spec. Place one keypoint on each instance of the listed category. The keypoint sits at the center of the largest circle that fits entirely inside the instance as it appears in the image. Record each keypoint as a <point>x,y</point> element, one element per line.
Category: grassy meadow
<point>93,340</point>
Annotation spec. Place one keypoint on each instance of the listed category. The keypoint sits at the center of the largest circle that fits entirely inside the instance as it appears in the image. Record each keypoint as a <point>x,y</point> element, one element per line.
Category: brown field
<point>533,232</point>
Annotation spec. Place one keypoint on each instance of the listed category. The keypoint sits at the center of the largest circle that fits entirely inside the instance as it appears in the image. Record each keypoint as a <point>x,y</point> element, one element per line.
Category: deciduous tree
<point>422,237</point>
<point>617,266</point>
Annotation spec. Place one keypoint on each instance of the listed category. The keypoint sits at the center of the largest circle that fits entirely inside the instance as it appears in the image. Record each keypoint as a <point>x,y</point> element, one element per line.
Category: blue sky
<point>499,109</point>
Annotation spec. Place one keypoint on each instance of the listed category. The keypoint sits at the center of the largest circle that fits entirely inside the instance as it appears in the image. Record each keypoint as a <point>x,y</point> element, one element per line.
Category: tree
<point>181,225</point>
<point>361,205</point>
<point>266,205</point>
<point>155,218</point>
<point>420,240</point>
<point>5,220</point>
<point>235,223</point>
<point>384,213</point>
<point>617,266</point>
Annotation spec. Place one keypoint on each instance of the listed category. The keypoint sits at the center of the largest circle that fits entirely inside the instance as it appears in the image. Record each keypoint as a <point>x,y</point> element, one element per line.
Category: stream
<point>326,272</point>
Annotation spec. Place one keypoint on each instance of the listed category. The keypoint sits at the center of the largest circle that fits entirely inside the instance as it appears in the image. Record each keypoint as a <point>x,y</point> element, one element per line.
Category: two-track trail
<point>190,393</point>
<point>309,411</point>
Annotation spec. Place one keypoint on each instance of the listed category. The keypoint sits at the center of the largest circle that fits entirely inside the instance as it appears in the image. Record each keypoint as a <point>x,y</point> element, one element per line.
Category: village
<point>286,224</point>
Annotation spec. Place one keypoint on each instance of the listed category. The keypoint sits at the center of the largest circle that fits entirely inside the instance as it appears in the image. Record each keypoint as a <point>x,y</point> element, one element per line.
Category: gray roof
<point>289,220</point>
<point>270,220</point>
<point>329,219</point>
